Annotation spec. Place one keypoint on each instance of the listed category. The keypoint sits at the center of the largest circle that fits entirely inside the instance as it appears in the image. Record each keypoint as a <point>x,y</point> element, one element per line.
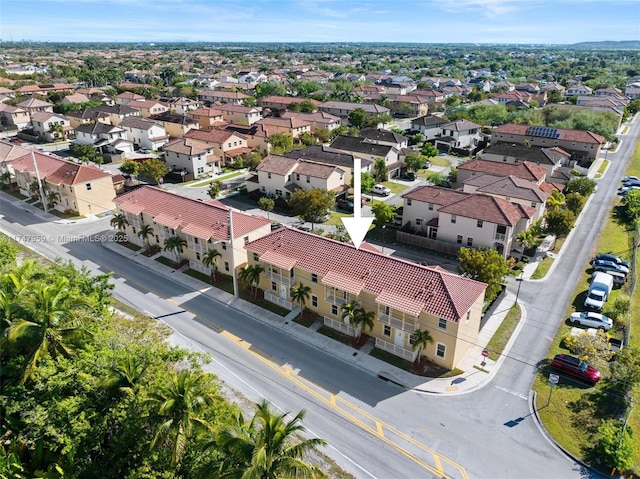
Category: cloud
<point>489,8</point>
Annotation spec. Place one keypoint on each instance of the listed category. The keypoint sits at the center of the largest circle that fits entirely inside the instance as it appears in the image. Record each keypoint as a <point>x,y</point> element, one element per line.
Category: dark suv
<point>345,205</point>
<point>576,367</point>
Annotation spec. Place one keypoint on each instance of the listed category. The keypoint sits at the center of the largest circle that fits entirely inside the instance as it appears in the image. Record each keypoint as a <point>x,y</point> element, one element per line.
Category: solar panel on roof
<point>543,131</point>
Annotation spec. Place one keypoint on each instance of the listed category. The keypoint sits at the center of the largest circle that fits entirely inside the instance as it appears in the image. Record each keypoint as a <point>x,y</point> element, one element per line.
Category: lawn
<point>439,161</point>
<point>426,174</point>
<point>576,410</point>
<point>602,168</point>
<point>503,333</point>
<point>543,268</point>
<point>166,261</point>
<point>395,187</point>
<point>336,218</point>
<point>224,176</point>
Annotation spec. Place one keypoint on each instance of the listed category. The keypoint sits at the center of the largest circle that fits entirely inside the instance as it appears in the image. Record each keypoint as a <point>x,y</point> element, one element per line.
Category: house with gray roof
<point>429,126</point>
<point>144,133</point>
<point>551,158</point>
<point>364,148</point>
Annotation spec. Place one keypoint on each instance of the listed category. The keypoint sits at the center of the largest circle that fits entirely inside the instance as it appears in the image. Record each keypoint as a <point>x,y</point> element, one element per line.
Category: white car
<point>381,190</point>
<point>596,299</point>
<point>592,320</point>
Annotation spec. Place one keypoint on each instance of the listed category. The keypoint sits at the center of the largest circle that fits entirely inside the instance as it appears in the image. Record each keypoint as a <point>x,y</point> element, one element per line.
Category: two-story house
<point>193,158</point>
<point>343,109</point>
<point>175,125</point>
<point>522,169</point>
<point>90,115</point>
<point>332,157</point>
<point>111,141</point>
<point>380,136</point>
<point>288,126</point>
<point>116,113</point>
<point>461,134</point>
<point>578,89</point>
<point>33,105</point>
<point>127,97</point>
<point>206,117</point>
<point>12,116</point>
<point>364,148</point>
<point>210,97</point>
<point>551,158</point>
<point>244,115</point>
<point>204,225</point>
<point>279,176</point>
<point>180,105</point>
<point>429,125</point>
<point>148,108</point>
<point>45,126</point>
<point>317,120</point>
<point>226,145</point>
<point>144,133</point>
<point>405,297</point>
<point>281,103</point>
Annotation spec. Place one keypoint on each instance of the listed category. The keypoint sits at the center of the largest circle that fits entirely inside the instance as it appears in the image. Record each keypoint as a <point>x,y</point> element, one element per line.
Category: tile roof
<point>289,123</point>
<point>145,104</point>
<point>343,105</point>
<point>236,108</point>
<point>211,220</point>
<point>513,187</point>
<point>11,108</point>
<point>212,136</point>
<point>437,292</point>
<point>564,135</point>
<point>277,165</point>
<point>317,117</point>
<point>435,195</point>
<point>327,155</point>
<point>460,125</point>
<point>525,170</point>
<point>486,208</point>
<point>429,120</point>
<point>10,151</point>
<point>187,146</point>
<point>359,145</point>
<point>117,109</point>
<point>57,170</point>
<point>314,170</point>
<point>173,118</point>
<point>380,134</point>
<point>138,123</point>
<point>97,128</point>
<point>206,112</point>
<point>76,98</point>
<point>43,116</point>
<point>127,95</point>
<point>33,103</point>
<point>236,95</point>
<point>546,156</point>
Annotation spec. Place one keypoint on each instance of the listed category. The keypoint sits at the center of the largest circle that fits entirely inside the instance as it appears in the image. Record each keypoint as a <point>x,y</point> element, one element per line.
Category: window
<point>297,176</point>
<point>412,339</point>
<point>224,246</point>
<point>409,202</point>
<point>430,206</point>
<point>469,241</point>
<point>314,301</point>
<point>334,309</point>
<point>454,218</point>
<point>274,286</point>
<point>197,256</point>
<point>418,221</point>
<point>269,175</point>
<point>226,266</point>
<point>195,240</point>
<point>308,179</point>
<point>479,223</point>
<point>459,239</point>
<point>255,257</point>
<point>246,239</point>
<point>442,323</point>
<point>88,186</point>
<point>314,278</point>
<point>279,192</point>
<point>468,315</point>
<point>440,350</point>
<point>533,204</point>
<point>386,330</point>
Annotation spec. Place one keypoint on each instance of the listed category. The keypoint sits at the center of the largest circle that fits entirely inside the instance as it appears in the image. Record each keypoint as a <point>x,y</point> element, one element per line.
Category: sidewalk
<point>474,377</point>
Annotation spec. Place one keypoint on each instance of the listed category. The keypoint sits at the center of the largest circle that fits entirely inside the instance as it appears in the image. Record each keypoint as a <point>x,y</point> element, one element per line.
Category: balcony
<point>340,326</point>
<point>336,300</point>
<point>500,236</point>
<point>407,354</point>
<point>200,246</point>
<point>398,323</point>
<point>278,300</point>
<point>286,280</point>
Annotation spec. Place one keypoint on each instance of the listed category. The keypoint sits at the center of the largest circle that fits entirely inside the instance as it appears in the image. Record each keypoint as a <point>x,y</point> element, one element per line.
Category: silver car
<point>592,320</point>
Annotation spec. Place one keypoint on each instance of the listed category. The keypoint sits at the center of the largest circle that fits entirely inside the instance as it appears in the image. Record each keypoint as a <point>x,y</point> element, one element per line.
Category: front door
<point>283,291</point>
<point>398,339</point>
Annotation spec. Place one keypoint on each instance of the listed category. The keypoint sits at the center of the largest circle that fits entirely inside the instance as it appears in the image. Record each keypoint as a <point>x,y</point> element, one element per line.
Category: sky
<point>419,21</point>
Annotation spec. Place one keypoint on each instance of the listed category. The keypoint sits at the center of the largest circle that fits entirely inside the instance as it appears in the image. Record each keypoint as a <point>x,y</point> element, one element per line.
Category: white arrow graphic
<point>357,226</point>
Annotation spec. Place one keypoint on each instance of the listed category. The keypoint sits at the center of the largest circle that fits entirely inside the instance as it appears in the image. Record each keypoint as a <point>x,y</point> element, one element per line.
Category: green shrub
<point>569,342</point>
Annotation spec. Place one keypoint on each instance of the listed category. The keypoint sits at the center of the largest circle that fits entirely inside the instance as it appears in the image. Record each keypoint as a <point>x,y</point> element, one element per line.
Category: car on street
<point>381,190</point>
<point>612,257</point>
<point>576,367</point>
<point>408,176</point>
<point>591,320</point>
<point>345,205</point>
<point>606,265</point>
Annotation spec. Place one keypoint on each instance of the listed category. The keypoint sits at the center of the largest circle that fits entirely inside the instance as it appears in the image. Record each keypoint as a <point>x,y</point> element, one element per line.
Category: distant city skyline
<point>408,21</point>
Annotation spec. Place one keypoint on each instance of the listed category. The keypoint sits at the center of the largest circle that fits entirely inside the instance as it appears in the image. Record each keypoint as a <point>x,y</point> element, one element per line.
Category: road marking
<point>515,393</point>
<point>379,428</point>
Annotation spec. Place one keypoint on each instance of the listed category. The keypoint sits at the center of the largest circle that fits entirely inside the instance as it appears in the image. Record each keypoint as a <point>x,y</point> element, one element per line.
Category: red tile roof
<point>439,293</point>
<point>212,136</point>
<point>58,170</point>
<point>199,218</point>
<point>206,112</point>
<point>525,170</point>
<point>486,208</point>
<point>566,135</point>
<point>435,195</point>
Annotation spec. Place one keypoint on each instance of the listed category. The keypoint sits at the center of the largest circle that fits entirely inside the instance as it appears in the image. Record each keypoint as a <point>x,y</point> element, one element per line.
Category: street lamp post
<point>234,276</point>
<point>519,280</point>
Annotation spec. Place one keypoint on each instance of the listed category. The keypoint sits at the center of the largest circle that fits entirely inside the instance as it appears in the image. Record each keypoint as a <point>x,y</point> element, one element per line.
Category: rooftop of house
<point>380,134</point>
<point>360,145</point>
<point>76,98</point>
<point>57,170</point>
<point>544,132</point>
<point>290,123</point>
<point>509,186</point>
<point>169,117</point>
<point>435,195</point>
<point>202,219</point>
<point>543,156</point>
<point>145,104</point>
<point>327,155</point>
<point>138,123</point>
<point>488,208</point>
<point>213,136</point>
<point>236,108</point>
<point>33,103</point>
<point>11,151</point>
<point>206,112</point>
<point>371,108</point>
<point>127,95</point>
<point>117,109</point>
<point>97,128</point>
<point>43,116</point>
<point>187,146</point>
<point>236,95</point>
<point>429,120</point>
<point>460,125</point>
<point>396,283</point>
<point>316,117</point>
<point>525,170</point>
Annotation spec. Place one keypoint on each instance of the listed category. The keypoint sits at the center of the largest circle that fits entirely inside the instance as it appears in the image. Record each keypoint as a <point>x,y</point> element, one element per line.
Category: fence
<point>428,243</point>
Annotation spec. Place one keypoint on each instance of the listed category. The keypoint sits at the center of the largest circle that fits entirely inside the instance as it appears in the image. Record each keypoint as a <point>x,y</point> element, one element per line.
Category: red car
<point>15,139</point>
<point>576,367</point>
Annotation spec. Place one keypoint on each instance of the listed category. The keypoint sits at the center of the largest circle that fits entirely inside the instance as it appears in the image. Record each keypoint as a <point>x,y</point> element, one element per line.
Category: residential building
<point>14,116</point>
<point>406,297</point>
<point>116,113</point>
<point>316,120</point>
<point>207,118</point>
<point>288,126</point>
<point>204,225</point>
<point>45,129</point>
<point>175,125</point>
<point>181,105</point>
<point>332,157</point>
<point>460,134</point>
<point>409,105</point>
<point>111,141</point>
<point>226,145</point>
<point>191,158</point>
<point>210,97</point>
<point>578,89</point>
<point>429,125</point>
<point>609,91</point>
<point>126,97</point>
<point>524,170</point>
<point>632,92</point>
<point>75,99</point>
<point>148,108</point>
<point>83,189</point>
<point>551,158</point>
<point>279,176</point>
<point>43,89</point>
<point>464,219</point>
<point>257,135</point>
<point>82,117</point>
<point>33,105</point>
<point>281,103</point>
<point>239,114</point>
<point>343,109</point>
<point>144,133</point>
<point>380,136</point>
<point>364,148</point>
<point>431,96</point>
<point>584,146</point>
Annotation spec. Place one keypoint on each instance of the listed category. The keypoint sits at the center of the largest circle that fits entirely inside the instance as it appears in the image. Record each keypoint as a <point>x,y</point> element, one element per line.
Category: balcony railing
<point>336,299</point>
<point>399,323</point>
<point>286,280</point>
<point>500,236</point>
<point>340,326</point>
<point>200,247</point>
<point>407,354</point>
<point>278,300</point>
<point>199,267</point>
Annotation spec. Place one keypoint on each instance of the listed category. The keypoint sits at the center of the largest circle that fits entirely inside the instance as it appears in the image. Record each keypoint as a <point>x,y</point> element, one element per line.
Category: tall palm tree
<point>268,447</point>
<point>251,276</point>
<point>421,338</point>
<point>299,295</point>
<point>555,201</point>
<point>125,374</point>
<point>175,244</point>
<point>51,324</point>
<point>34,189</point>
<point>525,238</point>
<point>144,232</point>
<point>210,260</point>
<point>349,311</point>
<point>57,130</point>
<point>119,222</point>
<point>363,320</point>
<point>180,404</point>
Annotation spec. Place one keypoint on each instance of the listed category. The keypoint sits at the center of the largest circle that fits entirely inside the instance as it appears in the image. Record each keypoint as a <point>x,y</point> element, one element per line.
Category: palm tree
<point>125,374</point>
<point>119,222</point>
<point>34,189</point>
<point>6,178</point>
<point>180,403</point>
<point>268,446</point>
<point>421,338</point>
<point>13,287</point>
<point>349,311</point>
<point>144,232</point>
<point>251,276</point>
<point>57,130</point>
<point>52,322</point>
<point>526,239</point>
<point>53,198</point>
<point>555,201</point>
<point>175,244</point>
<point>363,320</point>
<point>300,294</point>
<point>210,260</point>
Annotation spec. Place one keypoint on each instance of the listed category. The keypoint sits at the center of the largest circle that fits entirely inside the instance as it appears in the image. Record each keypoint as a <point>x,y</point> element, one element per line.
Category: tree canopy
<point>487,266</point>
<point>312,205</point>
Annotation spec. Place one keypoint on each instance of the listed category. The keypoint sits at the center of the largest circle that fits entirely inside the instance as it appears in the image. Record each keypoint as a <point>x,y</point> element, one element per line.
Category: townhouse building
<point>233,113</point>
<point>281,103</point>
<point>316,120</point>
<point>366,149</point>
<point>551,158</point>
<point>13,116</point>
<point>45,126</point>
<point>144,133</point>
<point>175,125</point>
<point>405,297</point>
<point>219,96</point>
<point>288,126</point>
<point>148,108</point>
<point>207,118</point>
<point>226,145</point>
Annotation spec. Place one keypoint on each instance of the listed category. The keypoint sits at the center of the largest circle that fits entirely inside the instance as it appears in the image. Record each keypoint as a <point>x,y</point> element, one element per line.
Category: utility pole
<point>236,292</point>
<point>40,189</point>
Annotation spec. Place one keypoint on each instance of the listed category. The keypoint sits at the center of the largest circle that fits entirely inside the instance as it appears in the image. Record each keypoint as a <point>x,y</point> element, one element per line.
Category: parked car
<point>626,189</point>
<point>595,299</point>
<point>591,320</point>
<point>605,265</point>
<point>626,178</point>
<point>631,182</point>
<point>612,257</point>
<point>345,205</point>
<point>408,176</point>
<point>576,367</point>
<point>381,190</point>
<point>15,139</point>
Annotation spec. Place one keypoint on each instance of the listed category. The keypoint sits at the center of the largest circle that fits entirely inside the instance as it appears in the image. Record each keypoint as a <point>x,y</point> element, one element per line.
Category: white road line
<point>515,393</point>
